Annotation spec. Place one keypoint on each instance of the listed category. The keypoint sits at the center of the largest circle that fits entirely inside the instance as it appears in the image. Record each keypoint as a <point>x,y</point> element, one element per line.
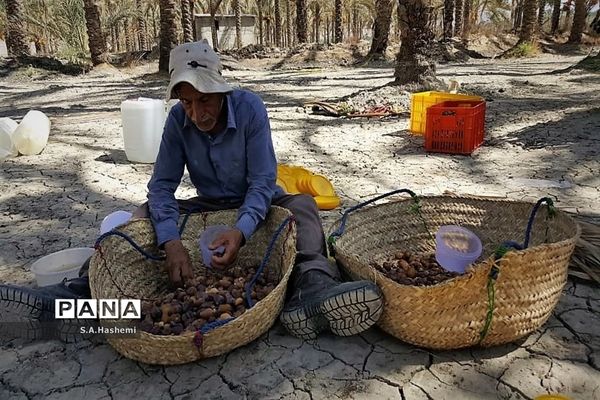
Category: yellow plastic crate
<point>420,102</point>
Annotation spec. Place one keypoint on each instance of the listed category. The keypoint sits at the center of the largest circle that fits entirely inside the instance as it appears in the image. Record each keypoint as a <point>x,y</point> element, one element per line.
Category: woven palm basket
<point>117,270</point>
<point>452,314</point>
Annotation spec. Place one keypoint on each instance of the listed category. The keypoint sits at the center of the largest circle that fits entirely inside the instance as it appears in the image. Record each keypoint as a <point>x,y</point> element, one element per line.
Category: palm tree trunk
<point>567,17</point>
<point>301,21</point>
<point>555,17</point>
<point>541,14</point>
<point>338,22</point>
<point>528,25</point>
<point>518,15</point>
<point>448,18</point>
<point>96,40</point>
<point>458,17</point>
<point>213,7</point>
<point>16,38</point>
<point>187,21</point>
<point>237,10</point>
<point>317,22</point>
<point>578,21</point>
<point>467,17</point>
<point>288,26</point>
<point>128,46</point>
<point>355,21</point>
<point>141,23</point>
<point>168,32</point>
<point>414,63</point>
<point>277,23</point>
<point>260,23</point>
<point>381,27</point>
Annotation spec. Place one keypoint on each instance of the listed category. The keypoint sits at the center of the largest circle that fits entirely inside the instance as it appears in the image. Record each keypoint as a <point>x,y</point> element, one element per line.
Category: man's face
<point>202,108</point>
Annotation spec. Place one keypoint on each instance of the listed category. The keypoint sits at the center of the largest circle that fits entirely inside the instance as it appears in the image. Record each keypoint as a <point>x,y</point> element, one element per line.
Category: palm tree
<point>381,27</point>
<point>467,17</point>
<point>458,17</point>
<point>414,62</point>
<point>316,21</point>
<point>337,15</point>
<point>16,41</point>
<point>277,24</point>
<point>555,17</point>
<point>448,18</point>
<point>541,14</point>
<point>528,25</point>
<point>96,39</point>
<point>237,11</point>
<point>517,14</point>
<point>187,20</point>
<point>301,21</point>
<point>213,6</point>
<point>288,24</point>
<point>259,8</point>
<point>168,32</point>
<point>578,21</point>
<point>141,22</point>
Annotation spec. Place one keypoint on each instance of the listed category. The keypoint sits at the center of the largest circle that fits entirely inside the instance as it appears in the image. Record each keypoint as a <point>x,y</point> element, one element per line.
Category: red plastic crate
<point>455,127</point>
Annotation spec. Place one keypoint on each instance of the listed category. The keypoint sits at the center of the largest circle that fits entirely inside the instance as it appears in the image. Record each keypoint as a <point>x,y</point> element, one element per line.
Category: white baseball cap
<point>197,64</point>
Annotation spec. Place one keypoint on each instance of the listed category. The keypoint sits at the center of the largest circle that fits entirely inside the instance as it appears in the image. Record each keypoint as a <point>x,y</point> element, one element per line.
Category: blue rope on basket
<point>501,252</point>
<point>215,324</point>
<point>340,230</point>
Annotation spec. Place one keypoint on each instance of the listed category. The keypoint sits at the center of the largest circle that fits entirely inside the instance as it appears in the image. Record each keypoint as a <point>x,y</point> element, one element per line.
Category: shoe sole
<point>353,307</point>
<point>29,315</point>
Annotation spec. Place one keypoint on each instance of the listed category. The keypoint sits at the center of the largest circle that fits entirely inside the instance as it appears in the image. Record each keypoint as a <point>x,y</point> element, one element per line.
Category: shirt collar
<point>231,124</point>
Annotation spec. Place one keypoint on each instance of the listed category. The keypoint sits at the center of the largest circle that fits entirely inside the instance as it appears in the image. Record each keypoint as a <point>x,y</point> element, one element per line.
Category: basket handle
<point>500,252</point>
<point>506,246</point>
<point>340,230</point>
<point>249,286</point>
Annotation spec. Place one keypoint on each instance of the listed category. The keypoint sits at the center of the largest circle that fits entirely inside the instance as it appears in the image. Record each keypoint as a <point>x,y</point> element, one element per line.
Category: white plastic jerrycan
<point>7,146</point>
<point>31,136</point>
<point>143,122</point>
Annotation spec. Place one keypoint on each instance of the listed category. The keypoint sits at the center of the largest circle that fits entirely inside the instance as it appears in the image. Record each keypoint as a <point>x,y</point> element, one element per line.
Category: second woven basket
<point>453,314</point>
<point>117,270</point>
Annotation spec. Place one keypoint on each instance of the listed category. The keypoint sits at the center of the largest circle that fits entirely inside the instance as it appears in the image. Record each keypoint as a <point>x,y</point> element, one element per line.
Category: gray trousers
<point>310,241</point>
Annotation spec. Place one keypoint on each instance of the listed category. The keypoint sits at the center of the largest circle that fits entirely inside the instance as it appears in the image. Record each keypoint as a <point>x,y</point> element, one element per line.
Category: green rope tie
<point>491,292</point>
<point>415,208</point>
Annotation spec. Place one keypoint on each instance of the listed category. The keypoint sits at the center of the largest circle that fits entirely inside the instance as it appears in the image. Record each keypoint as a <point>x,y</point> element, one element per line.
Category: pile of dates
<point>408,268</point>
<point>215,295</point>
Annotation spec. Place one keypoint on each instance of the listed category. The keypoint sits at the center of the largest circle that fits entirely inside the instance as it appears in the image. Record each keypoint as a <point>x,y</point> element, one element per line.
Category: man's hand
<point>232,241</point>
<point>179,265</point>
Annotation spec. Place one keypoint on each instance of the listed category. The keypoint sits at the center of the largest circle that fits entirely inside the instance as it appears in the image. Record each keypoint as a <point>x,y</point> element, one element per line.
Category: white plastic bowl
<point>114,220</point>
<point>53,268</point>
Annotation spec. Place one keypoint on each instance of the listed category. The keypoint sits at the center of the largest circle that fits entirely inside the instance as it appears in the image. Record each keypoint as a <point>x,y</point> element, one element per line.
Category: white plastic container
<point>53,268</point>
<point>7,145</point>
<point>206,238</point>
<point>143,122</point>
<point>31,136</point>
<point>456,248</point>
<point>114,220</point>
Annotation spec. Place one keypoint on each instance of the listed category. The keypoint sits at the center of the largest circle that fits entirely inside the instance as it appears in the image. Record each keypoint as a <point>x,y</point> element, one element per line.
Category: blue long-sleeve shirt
<point>237,164</point>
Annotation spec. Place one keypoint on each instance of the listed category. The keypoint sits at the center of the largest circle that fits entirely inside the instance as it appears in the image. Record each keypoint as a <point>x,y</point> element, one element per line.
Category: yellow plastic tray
<point>296,180</point>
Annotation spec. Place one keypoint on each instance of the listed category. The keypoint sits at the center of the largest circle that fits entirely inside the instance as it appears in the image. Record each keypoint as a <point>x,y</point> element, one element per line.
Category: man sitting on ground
<point>223,136</point>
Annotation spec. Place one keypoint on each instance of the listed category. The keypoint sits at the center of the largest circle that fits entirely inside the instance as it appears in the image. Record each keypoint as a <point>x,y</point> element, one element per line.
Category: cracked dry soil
<point>541,139</point>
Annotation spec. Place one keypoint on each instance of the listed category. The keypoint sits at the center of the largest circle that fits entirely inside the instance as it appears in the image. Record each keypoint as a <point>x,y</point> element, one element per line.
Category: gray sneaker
<point>320,303</point>
<point>29,313</point>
